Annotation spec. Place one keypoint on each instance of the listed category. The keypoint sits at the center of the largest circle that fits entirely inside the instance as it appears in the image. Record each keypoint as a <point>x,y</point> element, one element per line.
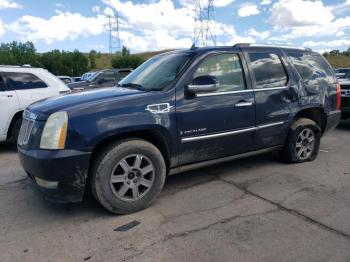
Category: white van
<point>21,86</point>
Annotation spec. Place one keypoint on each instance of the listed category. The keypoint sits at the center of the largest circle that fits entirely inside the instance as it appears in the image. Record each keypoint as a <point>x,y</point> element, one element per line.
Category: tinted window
<point>109,76</point>
<point>2,84</point>
<point>313,69</point>
<point>226,68</point>
<point>268,70</point>
<point>21,81</point>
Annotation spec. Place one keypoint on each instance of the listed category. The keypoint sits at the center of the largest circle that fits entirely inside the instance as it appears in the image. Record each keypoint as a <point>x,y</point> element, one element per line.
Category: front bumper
<point>60,174</point>
<point>333,119</point>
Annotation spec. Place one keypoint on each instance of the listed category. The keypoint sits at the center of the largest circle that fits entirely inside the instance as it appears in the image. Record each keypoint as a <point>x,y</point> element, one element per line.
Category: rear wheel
<point>127,176</point>
<point>303,141</point>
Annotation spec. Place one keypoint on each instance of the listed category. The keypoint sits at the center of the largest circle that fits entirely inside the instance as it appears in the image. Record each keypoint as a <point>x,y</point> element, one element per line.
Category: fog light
<point>46,184</point>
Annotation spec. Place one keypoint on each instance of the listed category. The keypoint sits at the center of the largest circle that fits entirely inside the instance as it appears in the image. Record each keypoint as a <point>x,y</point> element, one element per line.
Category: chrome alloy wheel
<point>132,177</point>
<point>305,144</point>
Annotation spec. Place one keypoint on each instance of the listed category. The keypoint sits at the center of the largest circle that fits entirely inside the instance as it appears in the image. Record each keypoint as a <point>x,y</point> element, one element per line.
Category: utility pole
<point>113,31</point>
<point>204,32</point>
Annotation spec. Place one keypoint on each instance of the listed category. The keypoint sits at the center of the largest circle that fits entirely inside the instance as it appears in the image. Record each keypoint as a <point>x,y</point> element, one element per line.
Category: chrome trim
<point>225,93</point>
<point>196,138</point>
<point>269,125</point>
<point>243,104</point>
<point>205,163</point>
<point>235,132</point>
<point>270,88</point>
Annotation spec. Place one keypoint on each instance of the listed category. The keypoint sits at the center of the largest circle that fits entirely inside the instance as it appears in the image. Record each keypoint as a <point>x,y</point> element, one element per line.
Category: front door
<point>220,123</point>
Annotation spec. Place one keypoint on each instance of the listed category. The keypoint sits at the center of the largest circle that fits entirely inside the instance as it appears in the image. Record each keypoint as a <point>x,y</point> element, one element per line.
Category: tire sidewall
<point>293,136</point>
<point>101,179</point>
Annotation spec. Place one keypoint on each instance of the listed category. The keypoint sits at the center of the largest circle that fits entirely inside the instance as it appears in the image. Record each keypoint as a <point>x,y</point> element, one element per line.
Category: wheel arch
<point>316,114</point>
<point>16,116</point>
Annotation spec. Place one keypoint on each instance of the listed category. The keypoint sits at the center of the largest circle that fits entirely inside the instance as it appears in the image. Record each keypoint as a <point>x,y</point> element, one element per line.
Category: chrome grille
<point>26,129</point>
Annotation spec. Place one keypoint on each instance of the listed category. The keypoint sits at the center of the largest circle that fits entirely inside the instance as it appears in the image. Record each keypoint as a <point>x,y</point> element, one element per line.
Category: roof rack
<point>271,45</point>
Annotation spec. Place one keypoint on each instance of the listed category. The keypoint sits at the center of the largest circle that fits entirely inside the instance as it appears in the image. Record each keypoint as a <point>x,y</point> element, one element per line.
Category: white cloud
<point>222,3</point>
<point>59,5</point>
<point>9,4</point>
<point>96,9</point>
<point>2,28</point>
<point>64,25</point>
<point>328,44</point>
<point>266,2</point>
<point>258,35</point>
<point>289,13</point>
<point>248,10</point>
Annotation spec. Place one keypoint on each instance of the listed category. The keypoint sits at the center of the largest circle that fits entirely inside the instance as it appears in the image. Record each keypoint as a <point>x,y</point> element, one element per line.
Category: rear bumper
<point>61,175</point>
<point>333,119</point>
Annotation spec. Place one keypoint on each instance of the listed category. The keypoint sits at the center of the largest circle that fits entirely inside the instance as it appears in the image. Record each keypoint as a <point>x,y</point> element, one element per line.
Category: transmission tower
<point>204,33</point>
<point>113,31</point>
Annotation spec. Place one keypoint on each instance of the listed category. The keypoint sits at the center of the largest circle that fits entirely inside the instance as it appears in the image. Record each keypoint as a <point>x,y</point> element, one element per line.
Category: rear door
<point>9,105</point>
<point>274,96</point>
<point>221,123</point>
<point>28,87</point>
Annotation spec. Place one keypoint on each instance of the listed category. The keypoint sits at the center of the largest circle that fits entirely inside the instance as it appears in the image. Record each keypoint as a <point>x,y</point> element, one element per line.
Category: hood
<point>81,84</point>
<point>44,108</point>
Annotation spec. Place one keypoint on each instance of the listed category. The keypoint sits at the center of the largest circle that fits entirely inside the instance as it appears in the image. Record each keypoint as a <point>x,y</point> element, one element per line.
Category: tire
<point>15,129</point>
<point>132,163</point>
<point>303,141</point>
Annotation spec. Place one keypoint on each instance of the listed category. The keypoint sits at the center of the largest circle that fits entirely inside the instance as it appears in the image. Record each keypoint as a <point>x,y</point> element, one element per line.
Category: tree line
<point>62,62</point>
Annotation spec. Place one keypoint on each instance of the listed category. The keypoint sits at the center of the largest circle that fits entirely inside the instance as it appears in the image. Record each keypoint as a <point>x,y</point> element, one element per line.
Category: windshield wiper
<point>134,86</point>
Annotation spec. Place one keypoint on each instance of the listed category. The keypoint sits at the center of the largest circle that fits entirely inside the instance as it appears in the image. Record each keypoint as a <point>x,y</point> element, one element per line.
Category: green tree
<point>92,59</point>
<point>124,59</point>
<point>16,53</point>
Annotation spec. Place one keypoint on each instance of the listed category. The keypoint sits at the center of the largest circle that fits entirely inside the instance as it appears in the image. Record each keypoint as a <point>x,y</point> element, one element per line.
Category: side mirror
<point>203,84</point>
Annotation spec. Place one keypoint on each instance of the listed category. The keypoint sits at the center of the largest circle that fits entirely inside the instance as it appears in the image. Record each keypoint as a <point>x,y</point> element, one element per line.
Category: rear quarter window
<point>312,68</point>
<point>268,70</point>
<point>24,81</point>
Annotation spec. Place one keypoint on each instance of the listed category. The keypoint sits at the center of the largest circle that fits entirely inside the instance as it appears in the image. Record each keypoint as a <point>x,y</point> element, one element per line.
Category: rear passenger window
<point>313,69</point>
<point>2,84</point>
<point>226,68</point>
<point>22,81</point>
<point>268,70</point>
<point>109,76</point>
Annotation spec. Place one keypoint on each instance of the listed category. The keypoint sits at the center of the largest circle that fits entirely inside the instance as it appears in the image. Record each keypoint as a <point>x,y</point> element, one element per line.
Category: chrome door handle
<point>243,104</point>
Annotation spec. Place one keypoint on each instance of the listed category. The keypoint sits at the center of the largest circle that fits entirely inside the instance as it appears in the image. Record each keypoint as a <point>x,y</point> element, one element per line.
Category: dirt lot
<point>255,209</point>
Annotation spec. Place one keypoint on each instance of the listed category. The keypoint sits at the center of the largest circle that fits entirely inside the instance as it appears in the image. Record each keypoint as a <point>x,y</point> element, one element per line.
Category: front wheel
<point>128,175</point>
<point>303,142</point>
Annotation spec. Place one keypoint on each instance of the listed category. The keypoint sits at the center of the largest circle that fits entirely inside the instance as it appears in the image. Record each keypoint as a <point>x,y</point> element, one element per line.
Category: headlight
<point>55,131</point>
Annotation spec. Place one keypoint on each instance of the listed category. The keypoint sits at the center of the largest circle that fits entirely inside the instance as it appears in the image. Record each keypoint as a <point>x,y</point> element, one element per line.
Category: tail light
<point>338,93</point>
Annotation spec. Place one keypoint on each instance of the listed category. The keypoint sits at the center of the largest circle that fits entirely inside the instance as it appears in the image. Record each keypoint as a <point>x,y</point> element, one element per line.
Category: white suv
<point>21,86</point>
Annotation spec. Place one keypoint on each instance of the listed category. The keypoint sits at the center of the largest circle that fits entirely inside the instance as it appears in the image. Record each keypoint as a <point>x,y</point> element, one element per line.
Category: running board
<point>189,167</point>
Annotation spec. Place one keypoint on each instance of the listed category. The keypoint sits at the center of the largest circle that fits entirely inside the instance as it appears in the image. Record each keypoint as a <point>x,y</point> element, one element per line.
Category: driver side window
<point>227,69</point>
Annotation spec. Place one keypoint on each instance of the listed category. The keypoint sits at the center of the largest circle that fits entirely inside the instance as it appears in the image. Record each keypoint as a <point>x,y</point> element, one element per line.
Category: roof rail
<point>272,45</point>
<point>17,66</point>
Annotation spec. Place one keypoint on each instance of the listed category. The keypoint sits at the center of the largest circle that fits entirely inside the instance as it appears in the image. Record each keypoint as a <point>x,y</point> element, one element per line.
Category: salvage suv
<point>179,111</point>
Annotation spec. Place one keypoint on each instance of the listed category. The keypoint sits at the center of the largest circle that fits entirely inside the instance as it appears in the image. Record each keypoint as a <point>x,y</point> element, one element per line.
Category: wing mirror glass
<point>203,84</point>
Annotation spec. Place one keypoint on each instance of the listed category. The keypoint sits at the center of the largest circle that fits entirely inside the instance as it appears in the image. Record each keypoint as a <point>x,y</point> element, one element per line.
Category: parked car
<point>345,99</point>
<point>179,111</point>
<point>103,78</point>
<point>87,75</point>
<point>341,72</point>
<point>19,87</point>
<point>76,79</point>
<point>66,79</point>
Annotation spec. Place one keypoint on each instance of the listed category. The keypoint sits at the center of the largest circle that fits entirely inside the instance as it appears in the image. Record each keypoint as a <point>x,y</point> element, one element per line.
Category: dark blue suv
<point>179,111</point>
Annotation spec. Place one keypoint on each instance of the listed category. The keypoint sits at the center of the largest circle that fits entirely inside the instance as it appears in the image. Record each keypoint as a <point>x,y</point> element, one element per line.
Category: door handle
<point>243,104</point>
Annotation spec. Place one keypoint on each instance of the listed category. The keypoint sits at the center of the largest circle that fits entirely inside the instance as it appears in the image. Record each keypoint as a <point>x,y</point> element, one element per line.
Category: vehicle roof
<point>238,47</point>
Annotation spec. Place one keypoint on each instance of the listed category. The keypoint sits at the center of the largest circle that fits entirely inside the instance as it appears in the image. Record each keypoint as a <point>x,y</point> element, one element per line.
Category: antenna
<point>204,33</point>
<point>113,31</point>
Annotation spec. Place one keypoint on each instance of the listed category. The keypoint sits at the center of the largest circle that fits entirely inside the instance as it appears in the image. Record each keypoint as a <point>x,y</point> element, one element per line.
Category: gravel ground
<point>255,209</point>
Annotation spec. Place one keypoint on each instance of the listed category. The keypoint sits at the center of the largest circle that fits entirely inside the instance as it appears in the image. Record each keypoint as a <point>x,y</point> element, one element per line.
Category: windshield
<point>342,71</point>
<point>157,72</point>
<point>92,77</point>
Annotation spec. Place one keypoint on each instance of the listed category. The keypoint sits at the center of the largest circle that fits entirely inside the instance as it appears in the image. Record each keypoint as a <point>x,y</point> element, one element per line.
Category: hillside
<point>104,60</point>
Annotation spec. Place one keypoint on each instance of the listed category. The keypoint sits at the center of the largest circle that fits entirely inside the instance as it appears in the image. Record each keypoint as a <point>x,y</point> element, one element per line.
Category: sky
<point>151,25</point>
